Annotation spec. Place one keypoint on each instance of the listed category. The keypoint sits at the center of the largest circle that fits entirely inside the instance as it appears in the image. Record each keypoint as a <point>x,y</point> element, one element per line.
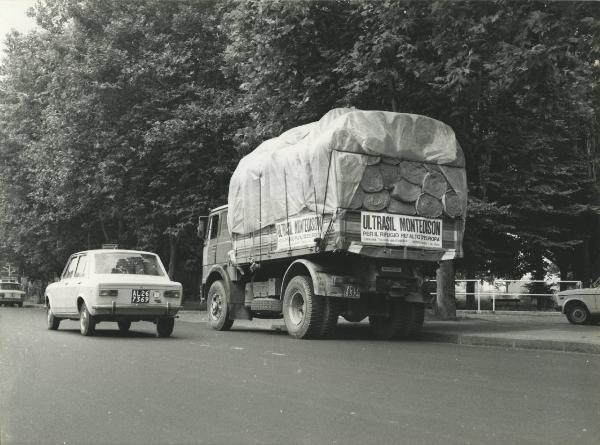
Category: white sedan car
<point>114,285</point>
<point>11,293</point>
<point>581,306</point>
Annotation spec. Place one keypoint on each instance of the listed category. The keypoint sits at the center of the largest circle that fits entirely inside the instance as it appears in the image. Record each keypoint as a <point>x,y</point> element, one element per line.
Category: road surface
<point>256,386</point>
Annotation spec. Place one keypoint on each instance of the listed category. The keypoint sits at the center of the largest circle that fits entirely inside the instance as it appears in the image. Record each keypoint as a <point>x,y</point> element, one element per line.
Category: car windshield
<point>10,286</point>
<point>127,263</point>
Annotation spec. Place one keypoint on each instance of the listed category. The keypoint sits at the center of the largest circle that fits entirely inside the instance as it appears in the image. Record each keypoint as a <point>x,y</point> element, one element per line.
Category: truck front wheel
<point>303,311</point>
<point>218,309</point>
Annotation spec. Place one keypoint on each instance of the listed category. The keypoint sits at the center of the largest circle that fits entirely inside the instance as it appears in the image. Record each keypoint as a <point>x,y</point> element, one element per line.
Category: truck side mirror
<point>202,227</point>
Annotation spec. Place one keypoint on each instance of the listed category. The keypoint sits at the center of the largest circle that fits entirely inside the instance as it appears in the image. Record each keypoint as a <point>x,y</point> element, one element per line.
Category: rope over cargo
<point>351,159</point>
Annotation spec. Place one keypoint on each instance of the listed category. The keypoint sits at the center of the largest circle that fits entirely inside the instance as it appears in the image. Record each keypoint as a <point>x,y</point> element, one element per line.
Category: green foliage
<point>122,121</point>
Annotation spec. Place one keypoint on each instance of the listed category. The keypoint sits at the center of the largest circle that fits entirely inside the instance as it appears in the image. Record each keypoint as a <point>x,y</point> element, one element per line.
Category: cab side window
<point>224,229</point>
<point>214,226</point>
<point>80,271</point>
<point>70,269</point>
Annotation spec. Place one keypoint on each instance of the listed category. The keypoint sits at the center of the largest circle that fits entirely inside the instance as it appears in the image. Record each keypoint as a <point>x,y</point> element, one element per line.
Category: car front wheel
<point>578,314</point>
<point>87,322</point>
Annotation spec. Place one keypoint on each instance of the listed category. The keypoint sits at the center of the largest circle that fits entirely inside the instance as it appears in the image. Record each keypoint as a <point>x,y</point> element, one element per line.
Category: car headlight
<point>109,292</point>
<point>172,294</point>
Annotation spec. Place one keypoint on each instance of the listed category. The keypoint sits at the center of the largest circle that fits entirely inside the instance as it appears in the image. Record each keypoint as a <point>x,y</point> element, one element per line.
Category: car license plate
<point>140,296</point>
<point>351,291</point>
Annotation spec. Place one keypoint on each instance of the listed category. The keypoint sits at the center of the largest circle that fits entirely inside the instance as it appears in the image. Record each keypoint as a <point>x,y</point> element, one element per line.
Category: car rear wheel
<point>578,314</point>
<point>53,321</point>
<point>164,327</point>
<point>124,326</point>
<point>87,322</point>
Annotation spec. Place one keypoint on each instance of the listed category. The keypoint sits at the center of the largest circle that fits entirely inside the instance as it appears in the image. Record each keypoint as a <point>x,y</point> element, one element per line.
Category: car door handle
<point>78,283</point>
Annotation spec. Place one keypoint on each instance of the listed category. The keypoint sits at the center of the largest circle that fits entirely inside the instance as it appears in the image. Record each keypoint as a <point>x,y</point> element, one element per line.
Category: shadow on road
<point>110,333</point>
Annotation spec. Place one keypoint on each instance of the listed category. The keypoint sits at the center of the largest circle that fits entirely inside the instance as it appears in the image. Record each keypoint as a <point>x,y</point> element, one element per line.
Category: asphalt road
<point>254,386</point>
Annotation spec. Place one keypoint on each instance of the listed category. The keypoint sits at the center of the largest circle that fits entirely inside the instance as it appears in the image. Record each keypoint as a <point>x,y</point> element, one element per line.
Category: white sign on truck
<point>298,232</point>
<point>400,230</point>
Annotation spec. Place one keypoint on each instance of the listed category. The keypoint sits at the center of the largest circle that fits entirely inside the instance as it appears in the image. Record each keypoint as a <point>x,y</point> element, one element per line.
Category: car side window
<point>70,270</point>
<point>80,271</point>
<point>214,226</point>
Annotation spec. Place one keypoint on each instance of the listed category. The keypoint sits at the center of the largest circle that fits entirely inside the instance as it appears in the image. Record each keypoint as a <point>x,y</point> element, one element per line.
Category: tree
<point>129,130</point>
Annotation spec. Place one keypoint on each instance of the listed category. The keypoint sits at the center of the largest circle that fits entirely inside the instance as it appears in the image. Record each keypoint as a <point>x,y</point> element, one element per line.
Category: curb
<point>511,343</point>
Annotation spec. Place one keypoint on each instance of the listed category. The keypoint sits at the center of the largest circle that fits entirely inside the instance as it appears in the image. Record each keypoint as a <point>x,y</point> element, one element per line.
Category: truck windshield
<point>127,263</point>
<point>10,286</point>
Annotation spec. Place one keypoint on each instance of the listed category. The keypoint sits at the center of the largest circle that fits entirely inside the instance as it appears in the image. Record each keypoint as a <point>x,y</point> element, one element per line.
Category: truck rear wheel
<point>331,312</point>
<point>404,321</point>
<point>414,316</point>
<point>303,311</point>
<point>218,307</point>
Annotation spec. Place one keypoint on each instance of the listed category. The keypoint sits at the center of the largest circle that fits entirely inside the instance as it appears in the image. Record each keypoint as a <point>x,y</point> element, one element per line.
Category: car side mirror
<point>202,227</point>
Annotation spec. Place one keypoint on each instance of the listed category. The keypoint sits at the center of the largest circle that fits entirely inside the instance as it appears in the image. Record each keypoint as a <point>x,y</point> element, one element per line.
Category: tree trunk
<point>172,255</point>
<point>595,248</point>
<point>104,232</point>
<point>445,305</point>
<point>470,300</point>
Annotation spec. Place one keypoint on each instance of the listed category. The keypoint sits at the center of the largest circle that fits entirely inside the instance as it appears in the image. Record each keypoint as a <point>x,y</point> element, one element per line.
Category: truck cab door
<point>223,242</point>
<point>210,247</point>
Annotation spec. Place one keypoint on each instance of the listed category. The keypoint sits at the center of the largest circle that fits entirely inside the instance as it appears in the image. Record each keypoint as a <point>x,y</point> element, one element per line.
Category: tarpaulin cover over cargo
<point>351,159</point>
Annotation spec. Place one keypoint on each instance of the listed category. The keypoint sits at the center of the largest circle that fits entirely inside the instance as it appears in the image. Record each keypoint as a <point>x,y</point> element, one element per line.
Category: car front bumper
<point>11,300</point>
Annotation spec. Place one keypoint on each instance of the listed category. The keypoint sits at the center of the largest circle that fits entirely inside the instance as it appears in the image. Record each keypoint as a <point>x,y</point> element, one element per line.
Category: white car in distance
<point>581,306</point>
<point>115,285</point>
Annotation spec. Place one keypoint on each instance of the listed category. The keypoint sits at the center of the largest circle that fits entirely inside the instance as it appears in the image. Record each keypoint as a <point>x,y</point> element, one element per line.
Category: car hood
<point>586,291</point>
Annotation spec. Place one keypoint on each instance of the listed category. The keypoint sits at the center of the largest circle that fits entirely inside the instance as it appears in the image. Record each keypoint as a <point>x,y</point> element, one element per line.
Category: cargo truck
<point>340,217</point>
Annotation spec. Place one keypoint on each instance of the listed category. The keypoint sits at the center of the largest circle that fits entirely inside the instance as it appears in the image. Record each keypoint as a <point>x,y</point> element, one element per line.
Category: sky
<point>12,16</point>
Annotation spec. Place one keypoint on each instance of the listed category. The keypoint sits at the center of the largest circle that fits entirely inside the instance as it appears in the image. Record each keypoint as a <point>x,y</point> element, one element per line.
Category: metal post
<point>494,296</point>
<point>478,298</point>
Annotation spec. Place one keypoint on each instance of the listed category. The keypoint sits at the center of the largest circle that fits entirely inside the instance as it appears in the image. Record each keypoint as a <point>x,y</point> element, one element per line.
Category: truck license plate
<point>351,291</point>
<point>140,296</point>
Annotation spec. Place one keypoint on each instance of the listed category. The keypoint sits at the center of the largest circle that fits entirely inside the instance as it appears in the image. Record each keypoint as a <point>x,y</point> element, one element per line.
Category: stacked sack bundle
<point>408,188</point>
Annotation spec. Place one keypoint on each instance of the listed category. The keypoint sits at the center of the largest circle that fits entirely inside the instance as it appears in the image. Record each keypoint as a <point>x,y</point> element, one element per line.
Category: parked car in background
<point>11,292</point>
<point>115,285</point>
<point>581,306</point>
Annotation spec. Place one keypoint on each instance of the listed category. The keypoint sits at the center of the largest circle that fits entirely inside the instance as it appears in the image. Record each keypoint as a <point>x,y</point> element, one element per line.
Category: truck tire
<point>403,321</point>
<point>412,321</point>
<point>331,312</point>
<point>303,311</point>
<point>218,307</point>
